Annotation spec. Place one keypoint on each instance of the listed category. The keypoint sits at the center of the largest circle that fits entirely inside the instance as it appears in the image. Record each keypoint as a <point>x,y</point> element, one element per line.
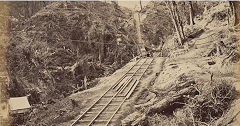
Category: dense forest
<point>177,20</point>
<point>56,48</point>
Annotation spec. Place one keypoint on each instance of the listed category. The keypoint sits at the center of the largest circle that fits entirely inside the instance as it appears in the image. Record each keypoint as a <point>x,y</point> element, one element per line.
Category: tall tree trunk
<point>141,4</point>
<point>170,6</point>
<point>101,49</point>
<point>191,14</point>
<point>231,7</point>
<point>99,55</point>
<point>180,24</point>
<point>161,48</point>
<point>140,42</point>
<point>181,31</point>
<point>229,12</point>
<point>77,52</point>
<point>236,6</point>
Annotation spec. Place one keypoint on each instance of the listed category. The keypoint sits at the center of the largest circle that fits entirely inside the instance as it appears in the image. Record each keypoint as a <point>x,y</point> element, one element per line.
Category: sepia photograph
<point>119,63</point>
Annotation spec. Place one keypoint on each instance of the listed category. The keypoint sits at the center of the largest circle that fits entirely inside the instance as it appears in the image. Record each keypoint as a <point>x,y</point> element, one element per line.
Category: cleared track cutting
<point>104,109</point>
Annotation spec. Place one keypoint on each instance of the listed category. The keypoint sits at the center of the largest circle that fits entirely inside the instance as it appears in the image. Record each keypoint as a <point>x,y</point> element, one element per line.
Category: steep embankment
<point>64,42</point>
<point>198,84</point>
<point>63,112</point>
<point>67,110</point>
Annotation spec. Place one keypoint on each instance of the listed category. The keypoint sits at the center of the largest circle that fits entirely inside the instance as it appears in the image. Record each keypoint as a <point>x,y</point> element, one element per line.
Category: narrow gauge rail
<point>104,109</point>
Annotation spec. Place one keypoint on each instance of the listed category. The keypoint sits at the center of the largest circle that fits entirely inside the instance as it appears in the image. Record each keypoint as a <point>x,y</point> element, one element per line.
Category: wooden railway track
<point>104,109</point>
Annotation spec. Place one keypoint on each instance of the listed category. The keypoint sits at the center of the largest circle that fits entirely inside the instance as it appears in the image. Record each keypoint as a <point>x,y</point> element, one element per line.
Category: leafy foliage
<point>157,14</point>
<point>158,25</point>
<point>66,41</point>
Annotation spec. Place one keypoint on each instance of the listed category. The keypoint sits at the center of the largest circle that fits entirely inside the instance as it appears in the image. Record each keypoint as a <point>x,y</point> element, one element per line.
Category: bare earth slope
<point>198,84</point>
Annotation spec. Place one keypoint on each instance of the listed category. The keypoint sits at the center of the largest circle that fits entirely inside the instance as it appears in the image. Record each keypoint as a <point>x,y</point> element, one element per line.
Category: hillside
<point>65,42</point>
<point>79,61</point>
<point>198,84</point>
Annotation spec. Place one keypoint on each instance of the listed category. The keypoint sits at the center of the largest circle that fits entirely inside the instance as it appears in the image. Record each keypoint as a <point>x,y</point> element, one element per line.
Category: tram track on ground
<point>103,111</point>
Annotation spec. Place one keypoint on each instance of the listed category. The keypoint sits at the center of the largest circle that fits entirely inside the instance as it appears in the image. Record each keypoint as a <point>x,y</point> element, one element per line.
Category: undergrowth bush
<point>210,104</point>
<point>217,101</point>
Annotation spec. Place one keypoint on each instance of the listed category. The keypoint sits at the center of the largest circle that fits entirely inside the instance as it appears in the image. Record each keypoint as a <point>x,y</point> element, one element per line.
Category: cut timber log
<point>133,119</point>
<point>151,99</point>
<point>231,116</point>
<point>167,101</point>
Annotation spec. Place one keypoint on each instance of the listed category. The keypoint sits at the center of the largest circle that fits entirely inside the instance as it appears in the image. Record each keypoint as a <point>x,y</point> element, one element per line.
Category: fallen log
<point>168,102</point>
<point>148,103</point>
<point>230,116</point>
<point>130,118</point>
<point>138,120</point>
<point>134,119</point>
